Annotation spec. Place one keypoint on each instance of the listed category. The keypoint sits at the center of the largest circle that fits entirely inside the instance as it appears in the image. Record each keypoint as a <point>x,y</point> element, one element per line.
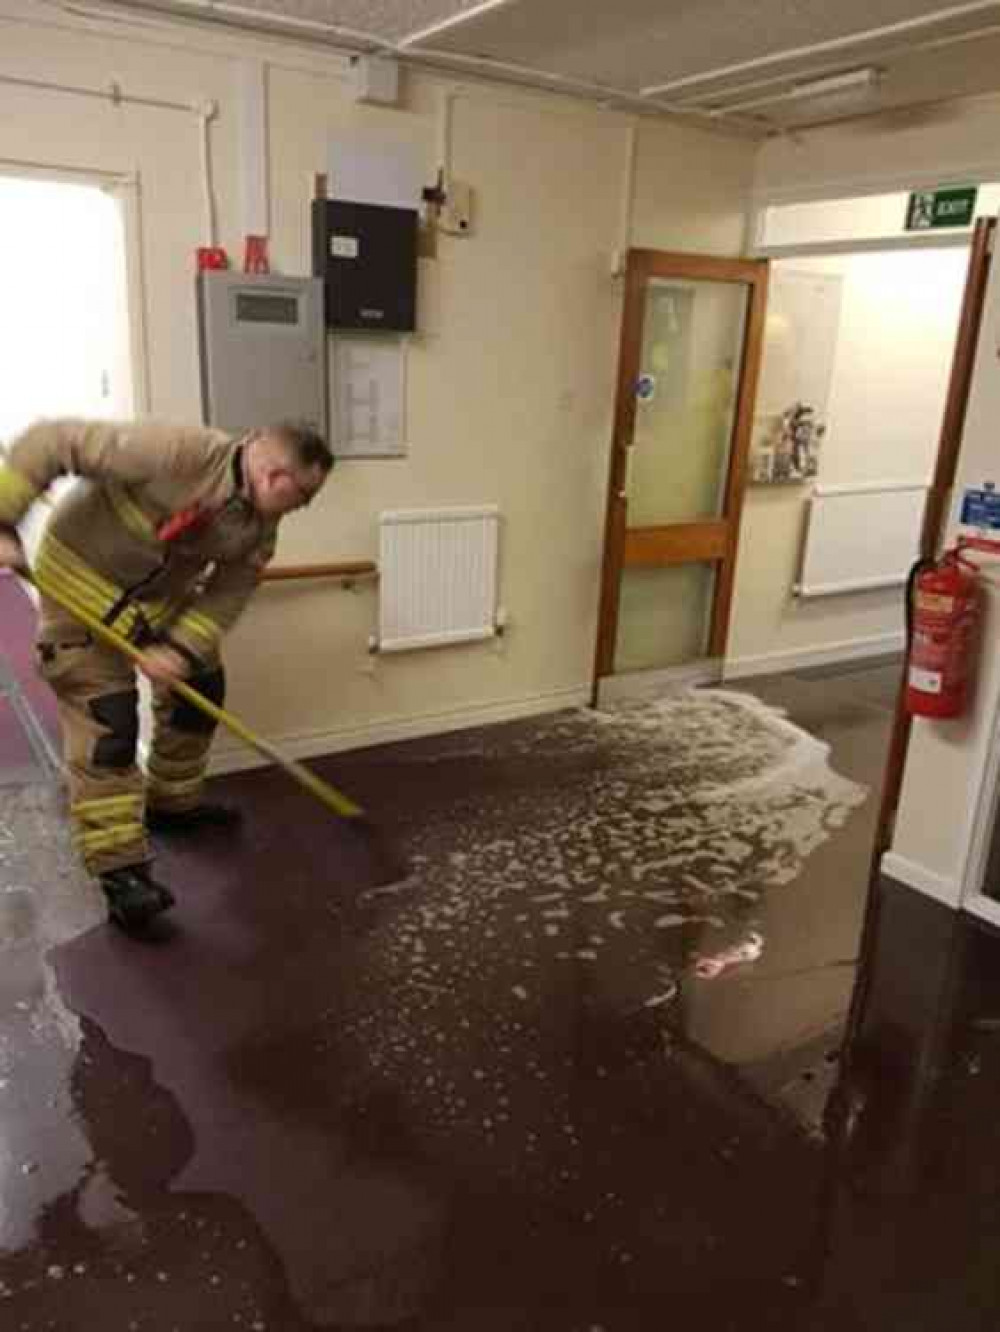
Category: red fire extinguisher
<point>942,603</point>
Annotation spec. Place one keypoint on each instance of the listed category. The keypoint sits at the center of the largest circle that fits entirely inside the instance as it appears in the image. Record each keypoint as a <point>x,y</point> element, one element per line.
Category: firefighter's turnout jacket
<point>160,539</point>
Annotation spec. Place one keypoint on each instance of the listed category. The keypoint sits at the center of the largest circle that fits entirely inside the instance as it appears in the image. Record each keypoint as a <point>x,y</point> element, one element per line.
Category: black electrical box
<point>366,255</point>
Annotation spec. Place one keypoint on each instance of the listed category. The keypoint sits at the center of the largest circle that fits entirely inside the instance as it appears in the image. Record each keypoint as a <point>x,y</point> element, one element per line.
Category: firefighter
<point>164,537</point>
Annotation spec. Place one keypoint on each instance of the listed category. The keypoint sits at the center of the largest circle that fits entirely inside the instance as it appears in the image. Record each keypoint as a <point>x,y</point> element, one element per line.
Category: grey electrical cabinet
<point>263,350</point>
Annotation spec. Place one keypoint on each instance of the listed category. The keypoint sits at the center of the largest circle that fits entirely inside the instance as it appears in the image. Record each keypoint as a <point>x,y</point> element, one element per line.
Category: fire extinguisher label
<point>928,682</point>
<point>935,603</point>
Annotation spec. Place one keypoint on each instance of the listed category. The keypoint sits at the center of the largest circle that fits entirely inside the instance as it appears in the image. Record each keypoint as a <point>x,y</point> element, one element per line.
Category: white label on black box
<point>344,247</point>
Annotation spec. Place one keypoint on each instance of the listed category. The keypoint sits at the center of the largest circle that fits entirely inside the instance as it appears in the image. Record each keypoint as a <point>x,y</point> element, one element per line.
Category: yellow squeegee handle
<point>328,795</point>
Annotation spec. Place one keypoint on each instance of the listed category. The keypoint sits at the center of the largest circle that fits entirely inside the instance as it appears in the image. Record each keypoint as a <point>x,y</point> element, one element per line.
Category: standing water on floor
<point>477,1098</point>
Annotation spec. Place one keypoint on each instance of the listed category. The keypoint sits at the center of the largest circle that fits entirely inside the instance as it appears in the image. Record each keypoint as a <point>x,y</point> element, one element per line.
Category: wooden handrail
<point>345,569</point>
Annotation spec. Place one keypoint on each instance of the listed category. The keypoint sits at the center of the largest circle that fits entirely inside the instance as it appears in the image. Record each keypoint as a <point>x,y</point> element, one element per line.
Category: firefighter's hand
<point>164,666</point>
<point>11,551</point>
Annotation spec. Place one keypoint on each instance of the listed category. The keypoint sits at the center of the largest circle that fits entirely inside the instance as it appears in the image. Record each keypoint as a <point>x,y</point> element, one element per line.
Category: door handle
<point>626,487</point>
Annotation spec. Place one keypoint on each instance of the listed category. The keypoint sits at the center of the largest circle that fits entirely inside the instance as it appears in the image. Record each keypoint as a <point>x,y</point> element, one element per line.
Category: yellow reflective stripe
<point>101,840</point>
<point>158,612</point>
<point>81,584</point>
<point>97,809</point>
<point>131,515</point>
<point>201,626</point>
<point>153,612</point>
<point>16,492</point>
<point>179,768</point>
<point>53,548</point>
<point>123,832</point>
<point>105,802</point>
<point>165,786</point>
<point>192,773</point>
<point>72,587</point>
<point>79,590</point>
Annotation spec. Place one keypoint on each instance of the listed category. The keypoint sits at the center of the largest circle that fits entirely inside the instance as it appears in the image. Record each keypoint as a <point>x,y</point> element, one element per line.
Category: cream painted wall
<point>945,798</point>
<point>510,382</point>
<point>898,325</point>
<point>691,189</point>
<point>956,141</point>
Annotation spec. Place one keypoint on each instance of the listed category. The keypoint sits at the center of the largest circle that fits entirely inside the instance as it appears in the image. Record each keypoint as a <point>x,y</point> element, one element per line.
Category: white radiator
<point>437,577</point>
<point>861,537</point>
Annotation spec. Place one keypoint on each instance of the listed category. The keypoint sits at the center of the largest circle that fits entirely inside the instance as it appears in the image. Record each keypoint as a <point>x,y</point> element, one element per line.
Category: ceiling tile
<point>638,43</point>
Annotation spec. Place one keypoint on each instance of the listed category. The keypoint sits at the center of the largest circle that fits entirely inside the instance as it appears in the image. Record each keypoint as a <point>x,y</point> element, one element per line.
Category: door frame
<point>716,542</point>
<point>940,493</point>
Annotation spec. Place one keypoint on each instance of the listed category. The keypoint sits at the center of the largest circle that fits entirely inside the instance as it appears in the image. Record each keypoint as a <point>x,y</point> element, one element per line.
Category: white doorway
<point>863,322</point>
<point>65,350</point>
<point>65,343</point>
<point>65,338</point>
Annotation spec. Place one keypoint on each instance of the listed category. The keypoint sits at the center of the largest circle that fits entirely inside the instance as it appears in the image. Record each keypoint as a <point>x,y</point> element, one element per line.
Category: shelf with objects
<point>787,446</point>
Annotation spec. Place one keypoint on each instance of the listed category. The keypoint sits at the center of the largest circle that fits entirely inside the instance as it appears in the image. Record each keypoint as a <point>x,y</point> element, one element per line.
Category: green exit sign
<point>931,209</point>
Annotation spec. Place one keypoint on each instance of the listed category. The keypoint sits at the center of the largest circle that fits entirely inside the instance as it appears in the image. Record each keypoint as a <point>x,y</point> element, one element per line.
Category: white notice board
<point>803,324</point>
<point>368,388</point>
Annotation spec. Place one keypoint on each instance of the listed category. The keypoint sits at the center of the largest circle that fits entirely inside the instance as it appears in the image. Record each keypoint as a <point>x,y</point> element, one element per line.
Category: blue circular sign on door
<point>645,388</point>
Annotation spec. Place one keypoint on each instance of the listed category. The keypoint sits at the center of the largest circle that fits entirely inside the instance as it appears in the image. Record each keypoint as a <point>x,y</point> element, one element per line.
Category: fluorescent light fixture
<point>834,86</point>
<point>445,25</point>
<point>853,80</point>
<point>815,49</point>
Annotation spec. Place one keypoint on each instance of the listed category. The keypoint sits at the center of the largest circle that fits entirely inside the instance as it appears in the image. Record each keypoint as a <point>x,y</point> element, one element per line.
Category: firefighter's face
<point>282,489</point>
<point>278,485</point>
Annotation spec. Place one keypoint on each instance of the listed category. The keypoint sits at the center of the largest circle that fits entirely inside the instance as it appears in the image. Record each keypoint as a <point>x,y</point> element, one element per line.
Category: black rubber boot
<point>135,900</point>
<point>222,818</point>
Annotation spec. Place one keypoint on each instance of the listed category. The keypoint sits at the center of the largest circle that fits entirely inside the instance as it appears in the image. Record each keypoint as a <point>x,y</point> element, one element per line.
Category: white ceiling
<point>735,63</point>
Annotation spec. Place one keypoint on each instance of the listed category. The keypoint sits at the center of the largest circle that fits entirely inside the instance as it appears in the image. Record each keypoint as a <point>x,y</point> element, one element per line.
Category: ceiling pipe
<point>447,24</point>
<point>705,99</point>
<point>112,93</point>
<point>229,13</point>
<point>853,81</point>
<point>833,44</point>
<point>530,74</point>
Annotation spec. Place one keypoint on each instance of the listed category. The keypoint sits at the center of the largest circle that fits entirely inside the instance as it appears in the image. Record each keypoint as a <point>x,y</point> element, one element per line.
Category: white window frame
<point>124,187</point>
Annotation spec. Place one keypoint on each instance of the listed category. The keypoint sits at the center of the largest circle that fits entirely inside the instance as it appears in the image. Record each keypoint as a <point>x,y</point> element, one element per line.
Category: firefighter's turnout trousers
<point>98,708</point>
<point>158,537</point>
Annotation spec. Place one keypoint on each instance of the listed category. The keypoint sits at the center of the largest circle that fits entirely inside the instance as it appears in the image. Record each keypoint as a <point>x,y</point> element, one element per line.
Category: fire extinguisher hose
<point>911,582</point>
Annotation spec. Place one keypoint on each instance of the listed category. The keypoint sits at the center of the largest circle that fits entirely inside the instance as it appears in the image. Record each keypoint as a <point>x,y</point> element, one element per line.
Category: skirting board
<point>924,880</point>
<point>774,663</point>
<point>229,755</point>
<point>983,908</point>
